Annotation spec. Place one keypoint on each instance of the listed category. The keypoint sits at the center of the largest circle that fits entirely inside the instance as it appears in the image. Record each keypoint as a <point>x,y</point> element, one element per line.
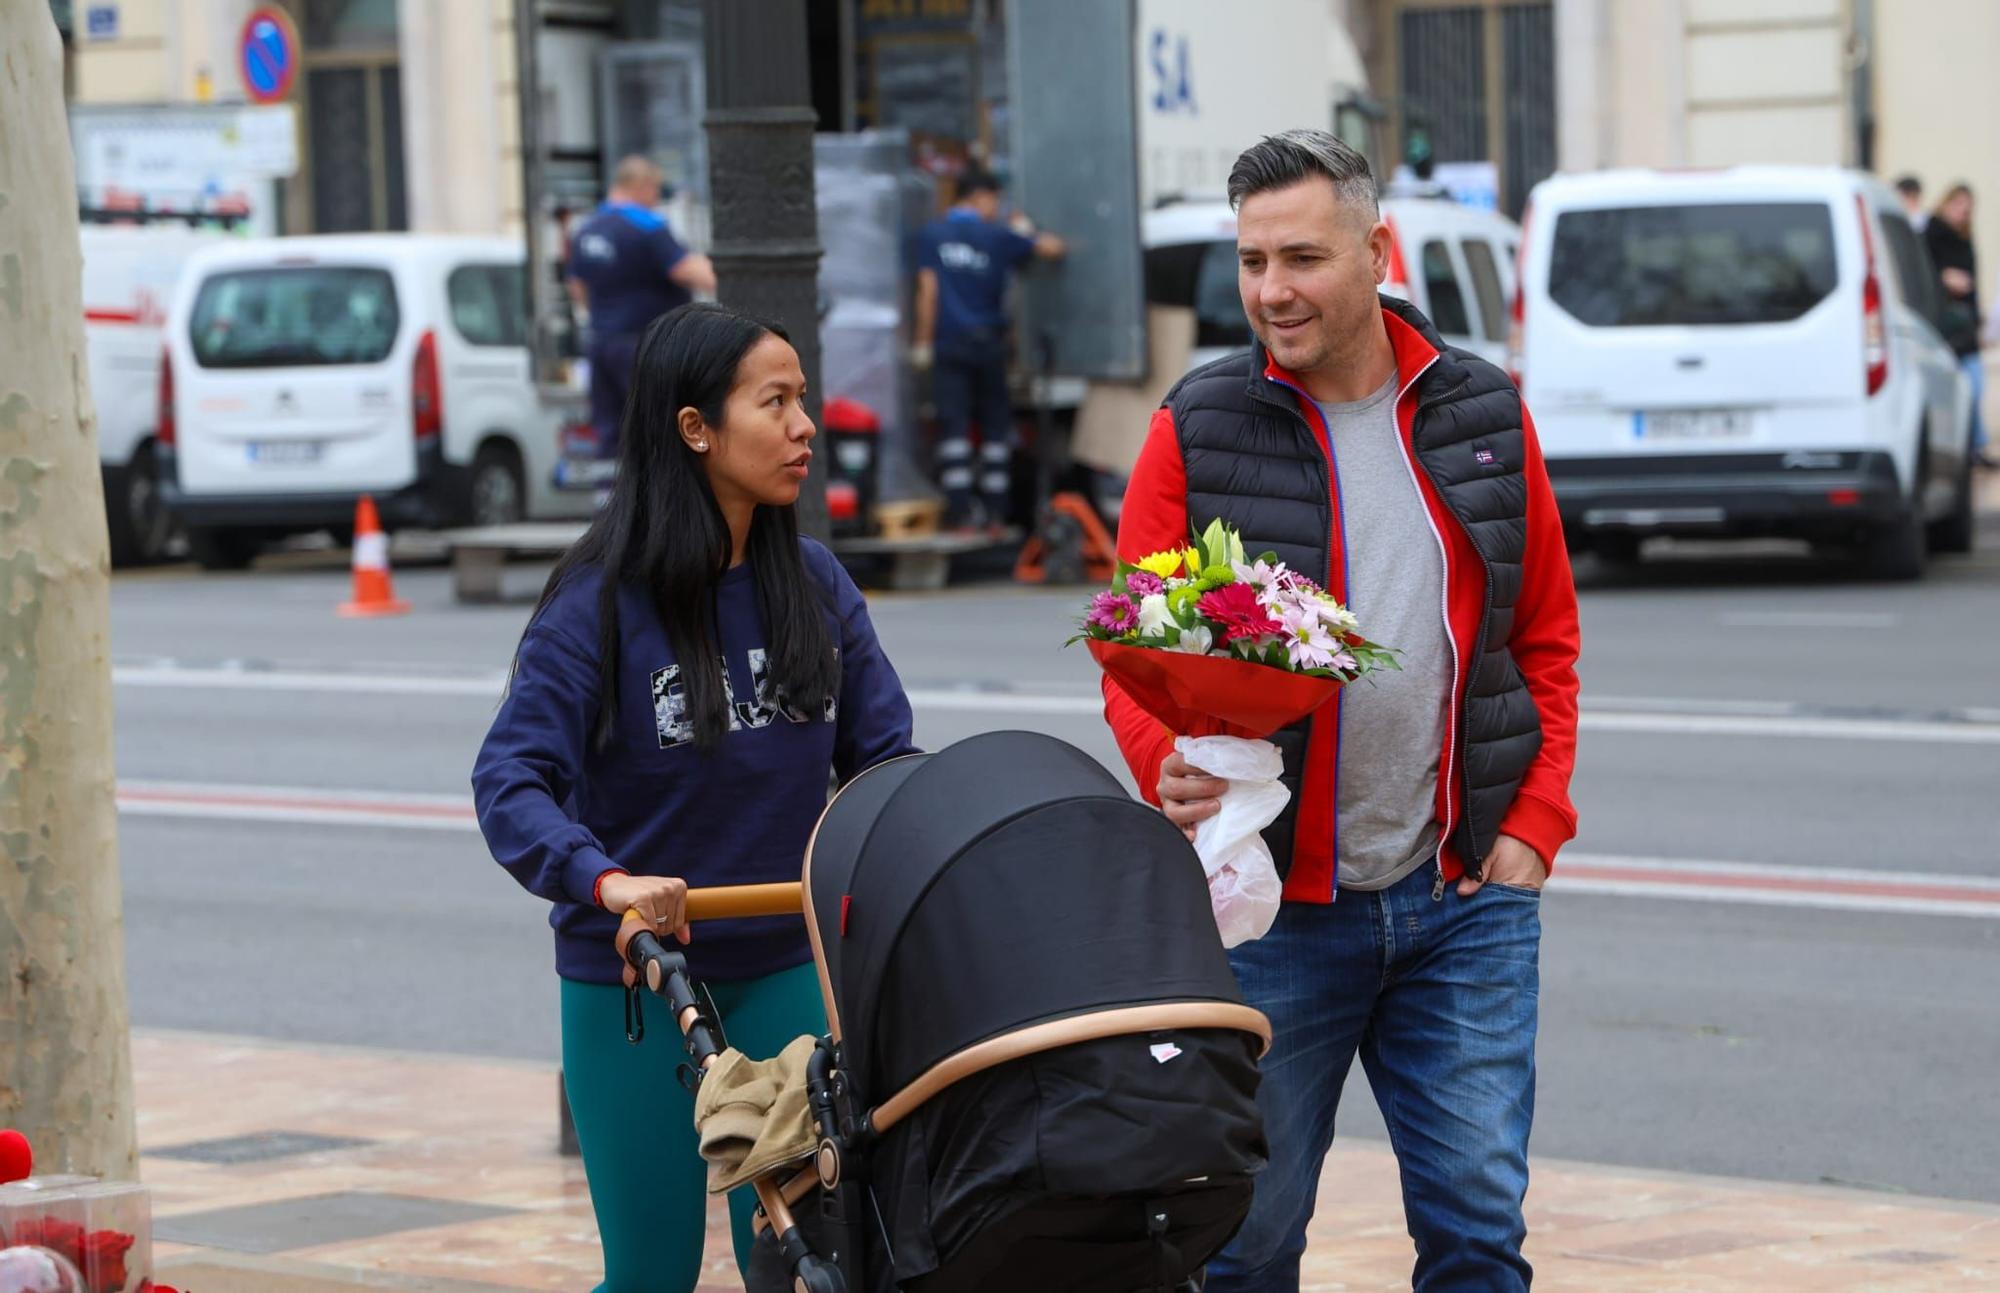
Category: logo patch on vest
<point>1484,455</point>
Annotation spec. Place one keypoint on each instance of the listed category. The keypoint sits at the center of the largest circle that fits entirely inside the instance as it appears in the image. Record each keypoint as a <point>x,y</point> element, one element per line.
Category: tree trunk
<point>65,1051</point>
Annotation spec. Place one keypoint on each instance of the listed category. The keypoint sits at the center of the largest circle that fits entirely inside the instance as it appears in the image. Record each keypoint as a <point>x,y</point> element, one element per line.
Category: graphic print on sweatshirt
<point>670,714</point>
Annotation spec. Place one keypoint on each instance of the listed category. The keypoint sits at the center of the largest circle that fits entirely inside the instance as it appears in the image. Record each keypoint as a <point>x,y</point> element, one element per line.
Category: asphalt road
<point>1719,994</point>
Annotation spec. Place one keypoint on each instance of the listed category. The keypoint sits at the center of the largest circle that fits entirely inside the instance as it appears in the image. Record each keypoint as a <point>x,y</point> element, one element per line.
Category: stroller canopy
<point>1004,882</point>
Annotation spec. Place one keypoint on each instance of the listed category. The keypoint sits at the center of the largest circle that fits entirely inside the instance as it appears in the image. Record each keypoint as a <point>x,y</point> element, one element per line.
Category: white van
<point>1742,352</point>
<point>129,277</point>
<point>304,373</point>
<point>1463,258</point>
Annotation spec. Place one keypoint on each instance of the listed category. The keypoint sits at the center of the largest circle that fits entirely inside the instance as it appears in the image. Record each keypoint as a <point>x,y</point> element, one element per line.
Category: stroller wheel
<point>816,1276</point>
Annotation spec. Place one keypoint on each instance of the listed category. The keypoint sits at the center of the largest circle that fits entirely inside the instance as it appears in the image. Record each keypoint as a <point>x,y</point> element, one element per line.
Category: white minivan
<point>1742,352</point>
<point>129,276</point>
<point>303,373</point>
<point>1462,257</point>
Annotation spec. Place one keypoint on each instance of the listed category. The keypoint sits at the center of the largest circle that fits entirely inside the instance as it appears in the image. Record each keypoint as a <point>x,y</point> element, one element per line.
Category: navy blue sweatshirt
<point>558,812</point>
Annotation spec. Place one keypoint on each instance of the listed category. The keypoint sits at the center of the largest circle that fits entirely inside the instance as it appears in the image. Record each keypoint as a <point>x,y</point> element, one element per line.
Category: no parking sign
<point>268,54</point>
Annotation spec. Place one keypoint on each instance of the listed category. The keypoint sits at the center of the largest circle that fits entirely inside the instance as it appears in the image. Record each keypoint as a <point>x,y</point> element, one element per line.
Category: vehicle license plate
<point>284,453</point>
<point>1694,424</point>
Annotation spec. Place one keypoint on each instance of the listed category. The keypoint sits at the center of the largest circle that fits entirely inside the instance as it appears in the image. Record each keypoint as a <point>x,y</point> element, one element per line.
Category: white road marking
<point>1808,619</point>
<point>1663,717</point>
<point>1613,875</point>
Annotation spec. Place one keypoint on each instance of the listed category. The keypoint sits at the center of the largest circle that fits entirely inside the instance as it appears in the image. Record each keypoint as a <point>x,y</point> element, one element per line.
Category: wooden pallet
<point>908,518</point>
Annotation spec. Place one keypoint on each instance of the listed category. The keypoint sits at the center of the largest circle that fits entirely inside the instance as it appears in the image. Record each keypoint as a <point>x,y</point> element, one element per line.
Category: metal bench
<point>479,557</point>
<point>922,562</point>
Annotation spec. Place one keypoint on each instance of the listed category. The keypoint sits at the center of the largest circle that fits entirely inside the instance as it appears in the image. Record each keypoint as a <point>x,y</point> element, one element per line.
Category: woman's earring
<point>701,446</point>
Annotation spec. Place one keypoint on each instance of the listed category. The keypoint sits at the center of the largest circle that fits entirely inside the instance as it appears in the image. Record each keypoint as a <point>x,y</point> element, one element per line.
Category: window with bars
<point>1480,79</point>
<point>355,131</point>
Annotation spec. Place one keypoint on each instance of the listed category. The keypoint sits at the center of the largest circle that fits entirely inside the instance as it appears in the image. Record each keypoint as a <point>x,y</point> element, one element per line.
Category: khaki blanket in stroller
<point>752,1115</point>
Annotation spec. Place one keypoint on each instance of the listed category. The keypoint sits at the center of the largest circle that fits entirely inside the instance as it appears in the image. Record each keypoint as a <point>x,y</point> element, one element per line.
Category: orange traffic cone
<point>373,592</point>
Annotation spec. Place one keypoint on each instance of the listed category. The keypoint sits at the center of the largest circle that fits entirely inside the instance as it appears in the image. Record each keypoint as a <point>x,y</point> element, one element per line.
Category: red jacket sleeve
<point>1152,518</point>
<point>1545,642</point>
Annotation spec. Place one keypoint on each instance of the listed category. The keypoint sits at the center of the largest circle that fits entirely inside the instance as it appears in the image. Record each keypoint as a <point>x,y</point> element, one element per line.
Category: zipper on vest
<point>1333,518</point>
<point>1475,864</point>
<point>1452,760</point>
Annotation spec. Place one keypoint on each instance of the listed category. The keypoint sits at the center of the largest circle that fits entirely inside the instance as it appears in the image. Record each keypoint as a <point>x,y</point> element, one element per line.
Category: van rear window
<point>294,317</point>
<point>1637,267</point>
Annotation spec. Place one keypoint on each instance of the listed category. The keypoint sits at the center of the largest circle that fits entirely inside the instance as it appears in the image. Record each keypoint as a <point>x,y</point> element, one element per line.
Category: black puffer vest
<point>1253,460</point>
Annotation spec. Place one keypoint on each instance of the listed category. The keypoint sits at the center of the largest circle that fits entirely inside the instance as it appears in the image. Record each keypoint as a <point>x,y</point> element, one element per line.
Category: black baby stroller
<point>1040,1073</point>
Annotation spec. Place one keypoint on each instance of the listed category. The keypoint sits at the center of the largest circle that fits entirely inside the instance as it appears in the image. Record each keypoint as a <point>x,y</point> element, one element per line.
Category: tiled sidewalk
<point>298,1169</point>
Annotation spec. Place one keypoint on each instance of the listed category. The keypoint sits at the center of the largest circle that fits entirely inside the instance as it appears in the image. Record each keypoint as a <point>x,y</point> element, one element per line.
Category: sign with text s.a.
<point>268,55</point>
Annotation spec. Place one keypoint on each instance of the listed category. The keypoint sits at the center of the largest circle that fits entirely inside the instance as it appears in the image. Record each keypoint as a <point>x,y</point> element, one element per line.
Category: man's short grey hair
<point>1282,160</point>
<point>637,170</point>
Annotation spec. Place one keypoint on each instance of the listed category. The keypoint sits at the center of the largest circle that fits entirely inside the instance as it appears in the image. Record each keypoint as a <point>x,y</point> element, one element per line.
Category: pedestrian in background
<point>1910,190</point>
<point>625,270</point>
<point>1426,807</point>
<point>1949,237</point>
<point>693,676</point>
<point>965,259</point>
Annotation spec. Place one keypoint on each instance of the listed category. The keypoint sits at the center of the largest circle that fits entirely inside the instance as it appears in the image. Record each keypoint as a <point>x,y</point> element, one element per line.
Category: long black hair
<point>663,531</point>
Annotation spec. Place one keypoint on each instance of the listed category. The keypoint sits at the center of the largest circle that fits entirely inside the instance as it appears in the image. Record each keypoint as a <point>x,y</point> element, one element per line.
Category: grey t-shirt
<point>1392,724</point>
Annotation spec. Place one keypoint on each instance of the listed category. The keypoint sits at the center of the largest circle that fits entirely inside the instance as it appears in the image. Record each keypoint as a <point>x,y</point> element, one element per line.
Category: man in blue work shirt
<point>963,261</point>
<point>627,269</point>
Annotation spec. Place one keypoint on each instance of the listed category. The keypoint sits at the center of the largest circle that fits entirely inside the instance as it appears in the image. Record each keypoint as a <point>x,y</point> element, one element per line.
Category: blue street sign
<point>269,54</point>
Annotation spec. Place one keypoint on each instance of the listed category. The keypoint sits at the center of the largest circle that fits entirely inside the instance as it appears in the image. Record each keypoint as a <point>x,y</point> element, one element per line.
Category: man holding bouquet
<point>1427,803</point>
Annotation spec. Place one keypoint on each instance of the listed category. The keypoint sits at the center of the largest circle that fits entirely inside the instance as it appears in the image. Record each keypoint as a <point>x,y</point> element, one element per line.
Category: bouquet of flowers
<point>1225,650</point>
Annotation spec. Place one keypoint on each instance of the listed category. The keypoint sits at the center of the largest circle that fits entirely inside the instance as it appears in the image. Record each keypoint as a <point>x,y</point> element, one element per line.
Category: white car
<point>1742,352</point>
<point>1463,258</point>
<point>303,373</point>
<point>129,277</point>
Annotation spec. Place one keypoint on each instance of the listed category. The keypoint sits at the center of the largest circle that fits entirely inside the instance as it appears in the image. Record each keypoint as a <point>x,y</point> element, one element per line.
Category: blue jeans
<point>1439,998</point>
<point>1975,372</point>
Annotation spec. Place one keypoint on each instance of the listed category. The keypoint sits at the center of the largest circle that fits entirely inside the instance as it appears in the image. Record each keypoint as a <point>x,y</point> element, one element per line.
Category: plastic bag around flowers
<point>1243,884</point>
<point>28,1268</point>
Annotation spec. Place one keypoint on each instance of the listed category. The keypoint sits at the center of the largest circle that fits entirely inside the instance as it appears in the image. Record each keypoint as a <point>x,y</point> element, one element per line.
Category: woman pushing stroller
<point>693,676</point>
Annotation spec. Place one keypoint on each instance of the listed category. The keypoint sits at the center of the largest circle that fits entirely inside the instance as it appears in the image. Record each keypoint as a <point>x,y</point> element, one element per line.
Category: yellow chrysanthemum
<point>1163,564</point>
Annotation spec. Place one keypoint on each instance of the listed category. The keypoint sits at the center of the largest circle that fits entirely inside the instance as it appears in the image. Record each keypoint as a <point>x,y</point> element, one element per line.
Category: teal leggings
<point>635,1124</point>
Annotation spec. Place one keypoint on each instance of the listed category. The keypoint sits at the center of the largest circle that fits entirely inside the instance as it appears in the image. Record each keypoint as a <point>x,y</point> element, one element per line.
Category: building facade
<point>406,113</point>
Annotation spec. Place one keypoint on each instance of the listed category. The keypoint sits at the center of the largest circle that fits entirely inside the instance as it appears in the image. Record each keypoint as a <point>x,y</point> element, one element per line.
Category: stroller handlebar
<point>728,902</point>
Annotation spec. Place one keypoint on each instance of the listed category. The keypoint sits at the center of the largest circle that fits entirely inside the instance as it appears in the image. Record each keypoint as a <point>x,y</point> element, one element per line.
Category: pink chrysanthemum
<point>1113,612</point>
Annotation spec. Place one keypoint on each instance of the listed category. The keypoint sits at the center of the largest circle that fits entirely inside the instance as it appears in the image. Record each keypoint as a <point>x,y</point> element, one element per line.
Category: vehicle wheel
<point>141,527</point>
<point>1954,532</point>
<point>222,549</point>
<point>497,495</point>
<point>1895,550</point>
